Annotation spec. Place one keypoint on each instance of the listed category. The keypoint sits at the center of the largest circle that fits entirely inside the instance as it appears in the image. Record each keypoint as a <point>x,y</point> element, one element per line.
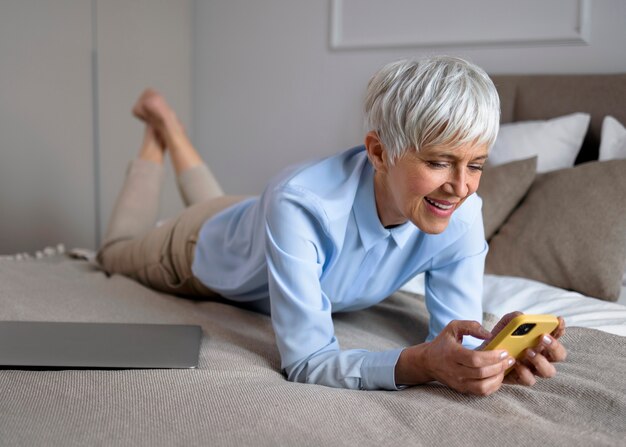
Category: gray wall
<point>269,91</point>
<point>71,70</point>
<point>141,43</point>
<point>46,134</point>
<point>259,78</point>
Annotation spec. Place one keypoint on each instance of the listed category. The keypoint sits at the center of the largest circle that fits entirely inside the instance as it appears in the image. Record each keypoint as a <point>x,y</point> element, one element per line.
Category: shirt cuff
<point>378,370</point>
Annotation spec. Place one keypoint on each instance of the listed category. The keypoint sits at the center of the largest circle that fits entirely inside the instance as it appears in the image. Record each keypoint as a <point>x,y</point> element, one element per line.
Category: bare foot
<point>152,148</point>
<point>137,109</point>
<point>152,108</point>
<point>139,106</point>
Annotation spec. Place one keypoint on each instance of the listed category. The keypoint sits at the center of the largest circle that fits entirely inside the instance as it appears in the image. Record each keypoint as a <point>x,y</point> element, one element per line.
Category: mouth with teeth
<point>441,208</point>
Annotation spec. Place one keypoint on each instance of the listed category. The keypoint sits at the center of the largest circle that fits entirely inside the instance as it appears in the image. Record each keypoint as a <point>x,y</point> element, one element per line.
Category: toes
<point>153,109</point>
<point>157,110</point>
<point>145,101</point>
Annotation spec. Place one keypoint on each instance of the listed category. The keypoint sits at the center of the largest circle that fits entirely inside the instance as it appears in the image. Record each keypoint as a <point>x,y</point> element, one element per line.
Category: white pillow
<point>612,139</point>
<point>555,142</point>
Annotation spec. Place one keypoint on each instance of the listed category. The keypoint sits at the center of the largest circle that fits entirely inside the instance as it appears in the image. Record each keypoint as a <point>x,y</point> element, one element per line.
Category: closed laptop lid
<point>98,345</point>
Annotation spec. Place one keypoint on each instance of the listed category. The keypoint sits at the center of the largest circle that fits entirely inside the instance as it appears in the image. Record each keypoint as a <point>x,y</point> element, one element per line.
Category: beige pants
<point>160,257</point>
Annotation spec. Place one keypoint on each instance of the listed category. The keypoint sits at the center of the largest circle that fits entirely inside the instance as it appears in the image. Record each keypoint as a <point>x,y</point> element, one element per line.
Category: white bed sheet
<point>503,294</point>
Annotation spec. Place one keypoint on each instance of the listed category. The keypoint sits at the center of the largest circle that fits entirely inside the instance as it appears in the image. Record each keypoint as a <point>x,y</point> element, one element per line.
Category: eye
<point>437,165</point>
<point>478,168</point>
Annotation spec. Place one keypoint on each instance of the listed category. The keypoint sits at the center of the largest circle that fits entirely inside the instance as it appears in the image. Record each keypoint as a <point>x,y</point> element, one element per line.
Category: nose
<point>457,184</point>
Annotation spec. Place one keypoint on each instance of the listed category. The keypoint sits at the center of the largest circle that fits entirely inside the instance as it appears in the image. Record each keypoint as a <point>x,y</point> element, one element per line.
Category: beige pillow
<point>569,232</point>
<point>501,188</point>
<point>613,146</point>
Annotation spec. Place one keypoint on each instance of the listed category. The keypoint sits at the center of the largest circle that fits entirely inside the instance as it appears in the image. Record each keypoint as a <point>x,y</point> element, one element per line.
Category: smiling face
<point>424,187</point>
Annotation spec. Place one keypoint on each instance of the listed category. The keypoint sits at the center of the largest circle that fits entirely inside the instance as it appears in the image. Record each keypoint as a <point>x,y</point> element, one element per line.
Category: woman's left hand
<point>537,361</point>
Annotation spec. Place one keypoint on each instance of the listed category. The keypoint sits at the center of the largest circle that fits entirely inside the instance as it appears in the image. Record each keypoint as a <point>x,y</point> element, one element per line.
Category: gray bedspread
<point>238,396</point>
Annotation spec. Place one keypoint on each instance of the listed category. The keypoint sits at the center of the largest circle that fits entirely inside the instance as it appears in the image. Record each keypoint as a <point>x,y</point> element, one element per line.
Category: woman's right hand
<point>445,360</point>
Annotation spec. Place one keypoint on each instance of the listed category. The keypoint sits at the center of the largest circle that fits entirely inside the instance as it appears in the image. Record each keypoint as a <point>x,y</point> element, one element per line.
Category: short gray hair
<point>434,101</point>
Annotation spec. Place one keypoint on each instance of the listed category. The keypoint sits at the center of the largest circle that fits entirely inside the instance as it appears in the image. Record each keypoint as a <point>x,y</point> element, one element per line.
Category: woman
<point>341,234</point>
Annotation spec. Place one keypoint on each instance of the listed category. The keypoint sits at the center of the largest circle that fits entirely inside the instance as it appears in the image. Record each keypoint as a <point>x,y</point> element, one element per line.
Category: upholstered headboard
<point>537,97</point>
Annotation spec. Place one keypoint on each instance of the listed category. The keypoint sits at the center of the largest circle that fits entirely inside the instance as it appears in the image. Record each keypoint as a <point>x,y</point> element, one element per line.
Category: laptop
<point>30,344</point>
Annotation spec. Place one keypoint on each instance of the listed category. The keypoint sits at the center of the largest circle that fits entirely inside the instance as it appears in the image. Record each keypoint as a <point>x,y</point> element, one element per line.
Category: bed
<point>237,395</point>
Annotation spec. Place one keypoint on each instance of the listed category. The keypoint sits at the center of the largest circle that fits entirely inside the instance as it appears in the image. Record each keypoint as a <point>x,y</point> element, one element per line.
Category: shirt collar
<point>368,224</point>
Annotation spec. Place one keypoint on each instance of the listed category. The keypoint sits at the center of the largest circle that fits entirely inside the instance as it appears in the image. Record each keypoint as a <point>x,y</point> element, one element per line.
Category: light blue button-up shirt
<point>313,244</point>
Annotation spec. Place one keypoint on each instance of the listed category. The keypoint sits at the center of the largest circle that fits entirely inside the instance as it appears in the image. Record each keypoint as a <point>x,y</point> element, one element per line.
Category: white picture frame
<point>372,24</point>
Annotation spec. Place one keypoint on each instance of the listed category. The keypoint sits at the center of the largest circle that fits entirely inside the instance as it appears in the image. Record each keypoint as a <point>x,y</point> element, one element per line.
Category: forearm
<point>352,369</point>
<point>412,367</point>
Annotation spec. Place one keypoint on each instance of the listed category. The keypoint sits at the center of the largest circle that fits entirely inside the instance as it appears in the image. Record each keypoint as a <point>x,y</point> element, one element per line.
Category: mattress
<point>503,294</point>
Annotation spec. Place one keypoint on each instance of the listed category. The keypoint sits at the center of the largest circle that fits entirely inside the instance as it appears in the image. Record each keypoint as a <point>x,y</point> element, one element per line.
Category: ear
<point>376,151</point>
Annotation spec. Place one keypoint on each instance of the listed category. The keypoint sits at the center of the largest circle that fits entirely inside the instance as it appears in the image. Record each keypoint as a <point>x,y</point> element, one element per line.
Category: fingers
<point>479,359</point>
<point>538,362</point>
<point>483,372</point>
<point>499,326</point>
<point>560,330</point>
<point>508,317</point>
<point>478,372</point>
<point>521,375</point>
<point>479,381</point>
<point>484,387</point>
<point>488,371</point>
<point>462,369</point>
<point>470,358</point>
<point>532,365</point>
<point>459,328</point>
<point>504,321</point>
<point>552,349</point>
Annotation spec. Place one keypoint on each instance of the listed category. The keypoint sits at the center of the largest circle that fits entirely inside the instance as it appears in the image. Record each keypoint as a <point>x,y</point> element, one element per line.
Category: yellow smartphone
<point>522,332</point>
